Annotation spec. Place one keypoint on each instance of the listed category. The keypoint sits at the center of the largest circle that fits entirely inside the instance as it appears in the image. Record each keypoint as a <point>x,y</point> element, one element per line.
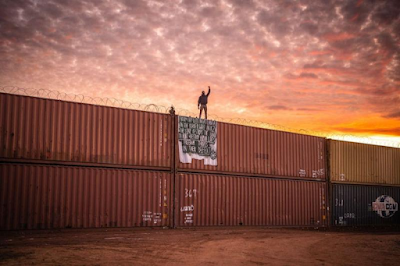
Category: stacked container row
<point>46,196</point>
<point>255,151</point>
<point>217,200</point>
<point>54,156</point>
<point>38,129</point>
<point>365,184</point>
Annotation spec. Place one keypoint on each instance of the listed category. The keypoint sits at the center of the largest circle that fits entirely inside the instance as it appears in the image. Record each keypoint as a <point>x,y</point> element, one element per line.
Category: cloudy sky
<point>330,66</point>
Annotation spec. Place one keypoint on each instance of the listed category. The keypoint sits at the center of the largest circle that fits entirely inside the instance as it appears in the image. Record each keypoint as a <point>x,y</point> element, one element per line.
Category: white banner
<point>197,140</point>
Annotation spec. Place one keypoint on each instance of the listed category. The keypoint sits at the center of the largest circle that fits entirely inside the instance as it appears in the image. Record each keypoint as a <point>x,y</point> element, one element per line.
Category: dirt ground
<point>204,246</point>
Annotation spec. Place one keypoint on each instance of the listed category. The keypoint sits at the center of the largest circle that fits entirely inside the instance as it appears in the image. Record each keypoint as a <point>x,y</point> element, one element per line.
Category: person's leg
<point>201,109</point>
<point>205,110</point>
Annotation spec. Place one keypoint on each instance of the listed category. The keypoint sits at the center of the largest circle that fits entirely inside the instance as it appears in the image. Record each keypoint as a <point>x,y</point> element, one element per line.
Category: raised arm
<point>209,90</point>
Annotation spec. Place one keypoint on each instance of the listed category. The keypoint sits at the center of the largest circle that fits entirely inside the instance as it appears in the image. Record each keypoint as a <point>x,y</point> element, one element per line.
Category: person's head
<point>202,93</point>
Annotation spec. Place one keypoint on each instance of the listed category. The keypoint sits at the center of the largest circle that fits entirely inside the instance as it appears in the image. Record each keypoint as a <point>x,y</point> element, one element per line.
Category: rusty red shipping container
<point>218,200</point>
<point>44,197</point>
<point>44,129</point>
<point>251,150</point>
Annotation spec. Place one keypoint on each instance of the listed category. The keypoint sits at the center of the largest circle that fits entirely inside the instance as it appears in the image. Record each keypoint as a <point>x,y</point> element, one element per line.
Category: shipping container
<point>222,200</point>
<point>363,163</point>
<point>52,130</point>
<point>45,197</point>
<point>361,205</point>
<point>257,151</point>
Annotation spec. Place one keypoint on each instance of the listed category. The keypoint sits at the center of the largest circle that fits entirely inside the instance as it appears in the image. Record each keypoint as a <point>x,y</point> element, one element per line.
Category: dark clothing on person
<point>203,99</point>
<point>202,103</point>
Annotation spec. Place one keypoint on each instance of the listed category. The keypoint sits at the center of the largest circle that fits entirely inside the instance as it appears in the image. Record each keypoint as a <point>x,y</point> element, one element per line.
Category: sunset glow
<point>325,66</point>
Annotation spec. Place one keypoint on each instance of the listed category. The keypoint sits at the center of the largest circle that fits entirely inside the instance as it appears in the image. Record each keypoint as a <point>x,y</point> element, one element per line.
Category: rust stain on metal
<point>213,200</point>
<point>363,164</point>
<point>44,129</point>
<point>45,197</point>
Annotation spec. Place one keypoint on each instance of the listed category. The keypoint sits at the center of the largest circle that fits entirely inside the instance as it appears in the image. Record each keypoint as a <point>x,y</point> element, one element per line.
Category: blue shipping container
<point>360,205</point>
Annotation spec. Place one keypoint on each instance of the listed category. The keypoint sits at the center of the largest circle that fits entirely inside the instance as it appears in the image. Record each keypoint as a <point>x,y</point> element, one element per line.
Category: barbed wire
<point>80,98</point>
<point>113,102</point>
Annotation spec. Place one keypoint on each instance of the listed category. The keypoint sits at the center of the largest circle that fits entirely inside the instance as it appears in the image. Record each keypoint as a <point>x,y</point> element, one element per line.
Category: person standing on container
<point>202,103</point>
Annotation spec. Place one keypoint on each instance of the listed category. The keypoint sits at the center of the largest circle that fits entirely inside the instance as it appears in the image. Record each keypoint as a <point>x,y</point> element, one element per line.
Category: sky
<point>324,66</point>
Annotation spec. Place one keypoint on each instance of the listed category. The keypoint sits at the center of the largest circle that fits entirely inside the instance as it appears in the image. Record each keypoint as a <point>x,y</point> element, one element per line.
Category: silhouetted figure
<point>202,104</point>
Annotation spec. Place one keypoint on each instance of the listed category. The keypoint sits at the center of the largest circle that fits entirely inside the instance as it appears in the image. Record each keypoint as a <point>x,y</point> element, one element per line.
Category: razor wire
<point>80,98</point>
<point>113,102</point>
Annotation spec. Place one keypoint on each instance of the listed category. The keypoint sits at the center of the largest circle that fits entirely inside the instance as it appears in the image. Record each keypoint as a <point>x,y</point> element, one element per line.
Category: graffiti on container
<point>157,217</point>
<point>197,139</point>
<point>385,206</point>
<point>187,208</point>
<point>342,221</point>
<point>318,173</point>
<point>342,177</point>
<point>189,218</point>
<point>190,193</point>
<point>302,173</point>
<point>349,215</point>
<point>147,216</point>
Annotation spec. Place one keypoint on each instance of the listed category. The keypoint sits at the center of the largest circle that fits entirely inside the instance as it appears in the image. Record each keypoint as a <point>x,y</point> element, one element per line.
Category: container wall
<point>216,200</point>
<point>357,205</point>
<point>44,197</point>
<point>250,150</point>
<point>43,129</point>
<point>363,163</point>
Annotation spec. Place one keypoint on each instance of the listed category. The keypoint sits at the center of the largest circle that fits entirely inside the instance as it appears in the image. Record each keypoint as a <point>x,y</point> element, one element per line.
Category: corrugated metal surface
<point>363,163</point>
<point>211,200</point>
<point>355,205</point>
<point>35,128</point>
<point>37,197</point>
<point>250,150</point>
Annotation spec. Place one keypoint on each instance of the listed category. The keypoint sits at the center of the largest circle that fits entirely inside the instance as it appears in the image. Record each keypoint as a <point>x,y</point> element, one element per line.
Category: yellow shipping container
<point>363,163</point>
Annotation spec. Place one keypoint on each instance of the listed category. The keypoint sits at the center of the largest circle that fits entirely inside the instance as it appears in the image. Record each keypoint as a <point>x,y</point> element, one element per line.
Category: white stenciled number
<point>339,202</point>
<point>190,193</point>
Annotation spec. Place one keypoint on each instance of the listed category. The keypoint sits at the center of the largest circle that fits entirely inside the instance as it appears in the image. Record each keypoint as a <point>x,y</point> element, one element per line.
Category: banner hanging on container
<point>197,140</point>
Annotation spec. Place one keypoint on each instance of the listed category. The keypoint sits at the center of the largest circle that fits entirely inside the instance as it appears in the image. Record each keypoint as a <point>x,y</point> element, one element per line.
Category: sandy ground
<point>213,246</point>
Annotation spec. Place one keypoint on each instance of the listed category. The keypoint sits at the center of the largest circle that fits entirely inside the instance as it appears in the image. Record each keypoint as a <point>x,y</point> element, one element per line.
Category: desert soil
<point>203,246</point>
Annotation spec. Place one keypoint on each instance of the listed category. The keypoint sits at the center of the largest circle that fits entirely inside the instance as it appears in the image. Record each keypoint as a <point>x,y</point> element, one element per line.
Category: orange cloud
<point>374,125</point>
